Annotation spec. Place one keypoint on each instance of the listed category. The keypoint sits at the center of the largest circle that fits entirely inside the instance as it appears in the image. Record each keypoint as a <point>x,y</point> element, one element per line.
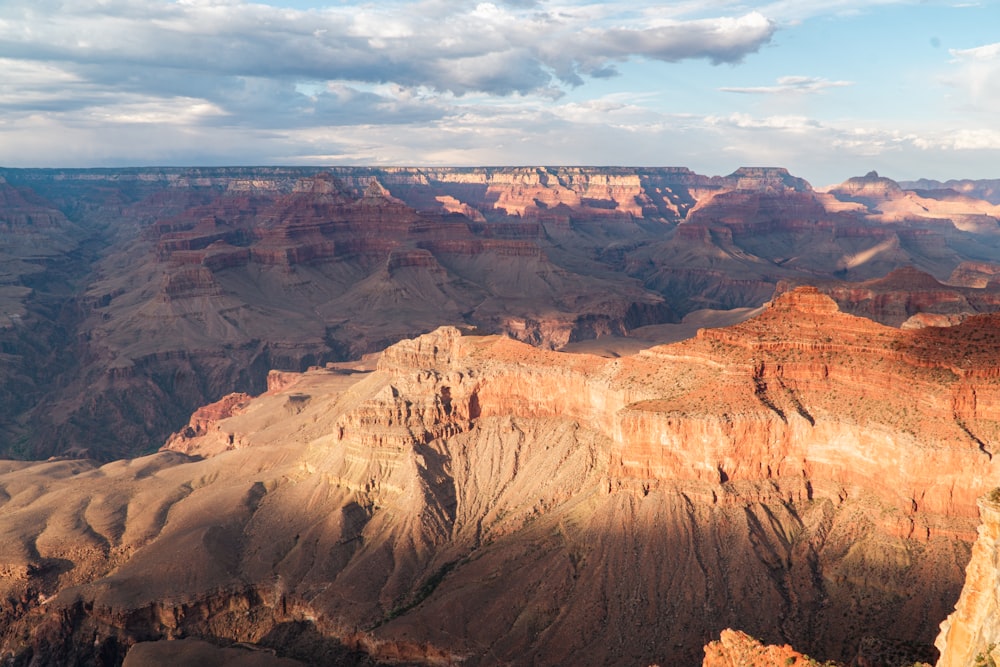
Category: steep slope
<point>477,499</point>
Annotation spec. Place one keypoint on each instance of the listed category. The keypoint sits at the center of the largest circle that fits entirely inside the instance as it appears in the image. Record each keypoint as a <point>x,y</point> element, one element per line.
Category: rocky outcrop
<point>975,274</point>
<point>869,188</point>
<point>971,634</point>
<point>908,295</point>
<point>738,649</point>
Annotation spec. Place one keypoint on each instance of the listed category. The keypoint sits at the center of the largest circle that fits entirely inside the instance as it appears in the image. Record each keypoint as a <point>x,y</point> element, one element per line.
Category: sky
<point>826,88</point>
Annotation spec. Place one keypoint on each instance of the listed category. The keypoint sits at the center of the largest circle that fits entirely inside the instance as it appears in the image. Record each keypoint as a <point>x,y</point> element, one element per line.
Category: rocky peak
<point>806,299</point>
<point>320,184</point>
<point>871,185</point>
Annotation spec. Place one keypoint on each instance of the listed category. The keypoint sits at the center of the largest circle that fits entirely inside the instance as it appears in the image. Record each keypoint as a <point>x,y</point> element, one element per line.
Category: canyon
<point>808,475</point>
<point>552,415</point>
<point>131,297</point>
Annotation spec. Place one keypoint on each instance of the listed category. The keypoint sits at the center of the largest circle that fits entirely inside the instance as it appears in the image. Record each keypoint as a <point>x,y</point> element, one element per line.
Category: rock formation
<point>971,634</point>
<point>166,289</point>
<point>887,201</point>
<point>974,274</point>
<point>985,189</point>
<point>738,649</point>
<point>910,297</point>
<point>479,500</point>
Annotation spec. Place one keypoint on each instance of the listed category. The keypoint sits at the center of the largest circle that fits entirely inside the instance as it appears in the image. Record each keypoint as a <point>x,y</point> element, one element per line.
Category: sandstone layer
<point>807,475</point>
<point>738,649</point>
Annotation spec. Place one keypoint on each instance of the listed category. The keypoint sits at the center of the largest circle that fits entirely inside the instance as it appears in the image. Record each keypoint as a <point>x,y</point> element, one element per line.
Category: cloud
<point>719,40</point>
<point>786,85</point>
<point>747,122</point>
<point>966,139</point>
<point>977,73</point>
<point>146,81</point>
<point>514,47</point>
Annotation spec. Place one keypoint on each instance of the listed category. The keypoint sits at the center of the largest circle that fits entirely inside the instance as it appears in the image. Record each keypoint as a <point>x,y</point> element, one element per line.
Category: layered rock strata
<point>141,294</point>
<point>911,297</point>
<point>477,500</point>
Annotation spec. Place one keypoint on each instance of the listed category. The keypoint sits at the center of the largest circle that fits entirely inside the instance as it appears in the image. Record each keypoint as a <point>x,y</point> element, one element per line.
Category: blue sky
<point>828,89</point>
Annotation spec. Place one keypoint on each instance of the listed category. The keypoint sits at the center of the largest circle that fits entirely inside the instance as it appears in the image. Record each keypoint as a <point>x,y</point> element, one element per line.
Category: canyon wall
<point>160,290</point>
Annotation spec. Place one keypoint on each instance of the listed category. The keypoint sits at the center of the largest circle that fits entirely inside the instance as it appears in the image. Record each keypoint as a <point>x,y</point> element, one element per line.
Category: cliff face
<point>971,634</point>
<point>476,499</point>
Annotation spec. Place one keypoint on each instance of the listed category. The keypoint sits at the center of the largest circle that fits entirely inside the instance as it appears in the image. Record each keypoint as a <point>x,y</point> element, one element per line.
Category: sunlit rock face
<point>474,498</point>
<point>971,634</point>
<point>738,649</point>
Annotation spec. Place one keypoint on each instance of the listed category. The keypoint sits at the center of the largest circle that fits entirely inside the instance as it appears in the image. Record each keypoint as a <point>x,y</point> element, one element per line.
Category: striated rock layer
<point>477,500</point>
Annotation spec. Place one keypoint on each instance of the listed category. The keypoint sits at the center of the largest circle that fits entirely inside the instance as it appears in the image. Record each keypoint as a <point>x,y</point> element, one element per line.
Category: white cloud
<point>977,73</point>
<point>964,139</point>
<point>506,48</point>
<point>747,122</point>
<point>726,39</point>
<point>181,111</point>
<point>786,85</point>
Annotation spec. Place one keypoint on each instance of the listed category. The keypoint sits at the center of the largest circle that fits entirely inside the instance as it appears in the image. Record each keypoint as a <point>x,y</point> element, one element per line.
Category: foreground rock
<point>971,634</point>
<point>738,649</point>
<point>477,500</point>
